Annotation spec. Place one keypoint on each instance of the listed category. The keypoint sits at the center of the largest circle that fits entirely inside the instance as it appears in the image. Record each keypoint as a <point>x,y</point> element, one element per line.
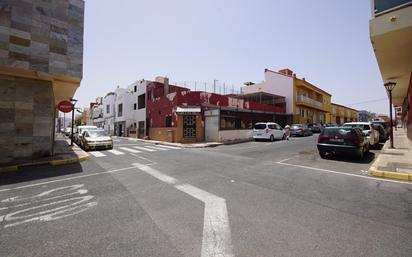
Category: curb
<point>9,169</point>
<point>391,175</point>
<point>171,144</point>
<point>68,161</point>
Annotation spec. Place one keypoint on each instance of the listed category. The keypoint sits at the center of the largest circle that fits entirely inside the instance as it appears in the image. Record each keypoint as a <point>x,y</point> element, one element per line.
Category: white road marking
<point>71,206</point>
<point>157,148</point>
<point>113,151</point>
<point>130,150</point>
<point>169,147</point>
<point>344,173</point>
<point>69,178</point>
<point>216,239</point>
<point>97,154</point>
<point>144,149</point>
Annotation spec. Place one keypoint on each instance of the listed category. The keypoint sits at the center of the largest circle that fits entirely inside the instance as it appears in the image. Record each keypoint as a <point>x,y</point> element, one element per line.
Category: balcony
<point>306,100</point>
<point>385,6</point>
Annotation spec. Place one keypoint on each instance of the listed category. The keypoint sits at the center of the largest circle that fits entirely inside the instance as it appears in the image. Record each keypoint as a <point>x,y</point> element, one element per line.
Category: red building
<point>176,114</point>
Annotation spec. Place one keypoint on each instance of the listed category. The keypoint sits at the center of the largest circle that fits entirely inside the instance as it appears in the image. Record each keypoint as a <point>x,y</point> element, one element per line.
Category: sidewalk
<point>188,145</point>
<point>63,154</point>
<point>394,163</point>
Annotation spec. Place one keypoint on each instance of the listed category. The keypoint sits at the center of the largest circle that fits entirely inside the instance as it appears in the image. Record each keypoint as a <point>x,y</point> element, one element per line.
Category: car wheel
<point>322,155</point>
<point>272,138</point>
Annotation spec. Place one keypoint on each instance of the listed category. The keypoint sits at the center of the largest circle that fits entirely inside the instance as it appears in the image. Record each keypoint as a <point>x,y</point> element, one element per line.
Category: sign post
<point>66,106</point>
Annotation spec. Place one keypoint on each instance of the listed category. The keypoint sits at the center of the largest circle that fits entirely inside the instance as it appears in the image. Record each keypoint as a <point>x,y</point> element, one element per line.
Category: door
<point>279,131</point>
<point>189,126</point>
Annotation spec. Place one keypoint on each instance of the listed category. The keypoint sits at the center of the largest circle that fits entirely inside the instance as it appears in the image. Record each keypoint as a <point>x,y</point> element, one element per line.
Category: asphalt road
<point>250,199</point>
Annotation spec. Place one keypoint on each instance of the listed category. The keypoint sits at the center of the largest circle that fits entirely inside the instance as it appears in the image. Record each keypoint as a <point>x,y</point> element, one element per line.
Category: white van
<point>268,130</point>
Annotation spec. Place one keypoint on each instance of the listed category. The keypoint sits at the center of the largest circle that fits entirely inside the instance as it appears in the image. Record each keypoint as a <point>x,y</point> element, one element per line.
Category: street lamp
<point>389,87</point>
<point>73,101</point>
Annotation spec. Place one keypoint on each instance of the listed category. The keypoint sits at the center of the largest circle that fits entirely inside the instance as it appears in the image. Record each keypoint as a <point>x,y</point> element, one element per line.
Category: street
<point>250,199</point>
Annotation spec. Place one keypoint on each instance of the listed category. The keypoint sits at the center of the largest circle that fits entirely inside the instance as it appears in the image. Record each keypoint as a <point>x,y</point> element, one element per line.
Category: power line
<point>369,101</point>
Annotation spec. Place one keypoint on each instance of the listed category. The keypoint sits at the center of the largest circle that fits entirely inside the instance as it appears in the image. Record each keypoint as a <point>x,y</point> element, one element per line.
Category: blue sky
<point>325,41</point>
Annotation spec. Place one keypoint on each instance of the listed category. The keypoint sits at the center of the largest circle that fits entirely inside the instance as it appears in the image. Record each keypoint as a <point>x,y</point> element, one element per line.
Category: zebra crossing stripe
<point>130,150</point>
<point>144,149</point>
<point>168,146</point>
<point>157,148</point>
<point>97,154</point>
<point>113,151</point>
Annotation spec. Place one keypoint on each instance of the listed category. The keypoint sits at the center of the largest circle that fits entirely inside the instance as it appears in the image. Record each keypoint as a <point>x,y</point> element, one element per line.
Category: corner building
<point>41,63</point>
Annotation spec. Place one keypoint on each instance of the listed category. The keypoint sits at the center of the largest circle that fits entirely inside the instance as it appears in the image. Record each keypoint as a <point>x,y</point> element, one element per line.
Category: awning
<point>187,109</point>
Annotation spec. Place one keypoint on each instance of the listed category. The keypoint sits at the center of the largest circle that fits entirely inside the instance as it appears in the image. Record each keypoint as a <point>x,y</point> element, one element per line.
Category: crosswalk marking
<point>144,149</point>
<point>157,148</point>
<point>130,150</point>
<point>113,151</point>
<point>170,147</point>
<point>97,154</point>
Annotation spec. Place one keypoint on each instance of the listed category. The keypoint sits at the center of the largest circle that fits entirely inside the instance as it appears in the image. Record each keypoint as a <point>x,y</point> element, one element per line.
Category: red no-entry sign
<point>65,106</point>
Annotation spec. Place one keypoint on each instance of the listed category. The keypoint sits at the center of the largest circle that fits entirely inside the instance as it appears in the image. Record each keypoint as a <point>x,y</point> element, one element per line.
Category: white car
<point>268,130</point>
<point>371,134</point>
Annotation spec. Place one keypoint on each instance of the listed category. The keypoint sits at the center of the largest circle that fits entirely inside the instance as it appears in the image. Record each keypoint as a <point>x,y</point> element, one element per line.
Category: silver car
<point>96,139</point>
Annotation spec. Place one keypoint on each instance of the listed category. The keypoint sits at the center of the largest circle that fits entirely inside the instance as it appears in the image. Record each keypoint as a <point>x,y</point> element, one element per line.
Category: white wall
<point>277,84</point>
<point>109,116</point>
<point>231,135</point>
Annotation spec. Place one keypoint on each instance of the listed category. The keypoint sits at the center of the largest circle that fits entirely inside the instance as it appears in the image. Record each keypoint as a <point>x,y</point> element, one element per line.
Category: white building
<point>108,112</point>
<point>275,83</point>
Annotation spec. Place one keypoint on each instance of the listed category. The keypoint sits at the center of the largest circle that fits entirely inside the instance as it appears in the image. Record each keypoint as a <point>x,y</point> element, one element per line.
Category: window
<point>134,106</point>
<point>272,126</point>
<point>141,101</point>
<point>168,121</point>
<point>302,112</point>
<point>108,108</point>
<point>120,110</point>
<point>135,88</point>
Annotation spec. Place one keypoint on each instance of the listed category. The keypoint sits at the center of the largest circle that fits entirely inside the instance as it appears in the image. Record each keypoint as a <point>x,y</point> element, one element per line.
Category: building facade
<point>391,38</point>
<point>41,61</point>
<point>306,102</point>
<point>341,114</point>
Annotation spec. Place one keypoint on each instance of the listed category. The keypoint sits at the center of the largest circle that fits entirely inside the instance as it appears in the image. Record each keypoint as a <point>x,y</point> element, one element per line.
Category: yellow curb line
<point>391,175</point>
<point>68,161</point>
<point>9,169</point>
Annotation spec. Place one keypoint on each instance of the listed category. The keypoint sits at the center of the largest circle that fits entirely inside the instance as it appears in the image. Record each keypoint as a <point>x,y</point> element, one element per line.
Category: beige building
<point>391,38</point>
<point>41,62</point>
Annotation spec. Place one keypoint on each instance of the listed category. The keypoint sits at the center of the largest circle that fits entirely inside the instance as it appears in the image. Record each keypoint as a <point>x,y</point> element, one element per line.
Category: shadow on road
<point>368,158</point>
<point>25,174</point>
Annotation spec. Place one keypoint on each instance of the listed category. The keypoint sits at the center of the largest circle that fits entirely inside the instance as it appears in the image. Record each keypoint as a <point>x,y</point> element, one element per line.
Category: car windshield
<point>331,132</point>
<point>96,133</point>
<point>260,126</point>
<point>361,126</point>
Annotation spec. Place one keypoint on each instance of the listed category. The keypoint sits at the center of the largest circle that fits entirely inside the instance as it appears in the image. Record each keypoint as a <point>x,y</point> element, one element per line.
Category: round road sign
<point>65,106</point>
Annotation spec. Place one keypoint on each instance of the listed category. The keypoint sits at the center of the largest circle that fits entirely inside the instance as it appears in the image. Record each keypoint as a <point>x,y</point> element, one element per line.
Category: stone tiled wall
<point>42,35</point>
<point>26,118</point>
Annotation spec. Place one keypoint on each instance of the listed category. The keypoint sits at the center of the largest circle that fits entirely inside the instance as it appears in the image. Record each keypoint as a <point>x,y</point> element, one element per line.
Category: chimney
<point>286,72</point>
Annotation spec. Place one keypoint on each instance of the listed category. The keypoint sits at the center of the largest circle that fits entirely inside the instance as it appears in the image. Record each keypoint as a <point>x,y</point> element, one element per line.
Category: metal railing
<point>385,6</point>
<point>304,99</point>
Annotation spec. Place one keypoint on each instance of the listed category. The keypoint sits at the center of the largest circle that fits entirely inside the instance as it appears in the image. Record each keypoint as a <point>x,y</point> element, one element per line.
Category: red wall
<point>160,106</point>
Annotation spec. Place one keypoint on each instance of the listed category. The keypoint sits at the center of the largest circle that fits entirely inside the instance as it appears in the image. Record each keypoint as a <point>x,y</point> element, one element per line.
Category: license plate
<point>336,140</point>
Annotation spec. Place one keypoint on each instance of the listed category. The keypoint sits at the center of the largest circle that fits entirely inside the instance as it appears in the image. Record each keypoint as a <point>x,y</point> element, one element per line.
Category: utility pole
<point>214,85</point>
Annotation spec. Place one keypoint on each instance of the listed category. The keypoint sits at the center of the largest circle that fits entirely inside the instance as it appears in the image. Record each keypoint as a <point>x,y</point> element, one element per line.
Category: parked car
<point>383,134</point>
<point>371,134</point>
<point>328,125</point>
<point>268,130</point>
<point>315,127</point>
<point>342,140</point>
<point>300,130</point>
<point>95,139</point>
<point>385,125</point>
<point>78,134</point>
